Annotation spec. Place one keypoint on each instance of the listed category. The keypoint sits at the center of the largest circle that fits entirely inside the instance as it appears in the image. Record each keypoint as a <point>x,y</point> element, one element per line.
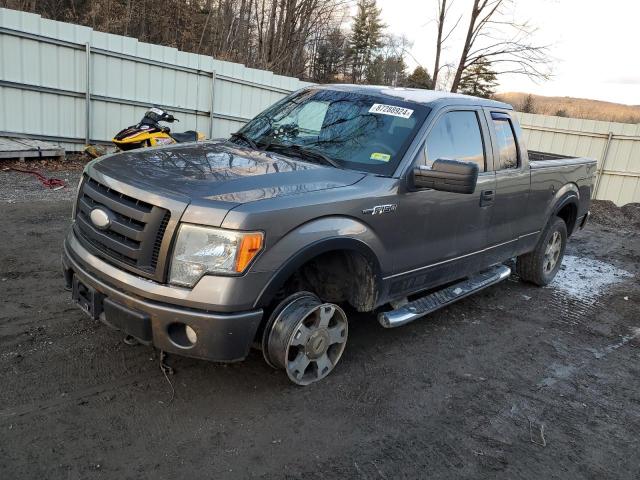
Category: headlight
<point>200,250</point>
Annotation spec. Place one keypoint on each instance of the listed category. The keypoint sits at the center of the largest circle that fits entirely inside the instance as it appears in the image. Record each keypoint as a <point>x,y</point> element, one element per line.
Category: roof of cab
<point>417,95</point>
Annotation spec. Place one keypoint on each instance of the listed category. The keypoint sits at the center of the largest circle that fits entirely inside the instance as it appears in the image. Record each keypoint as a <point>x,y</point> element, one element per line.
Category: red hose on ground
<point>52,183</point>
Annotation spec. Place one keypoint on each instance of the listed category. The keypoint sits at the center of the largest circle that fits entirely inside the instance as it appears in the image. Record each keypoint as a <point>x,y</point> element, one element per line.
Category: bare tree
<point>302,38</point>
<point>443,10</point>
<point>511,52</point>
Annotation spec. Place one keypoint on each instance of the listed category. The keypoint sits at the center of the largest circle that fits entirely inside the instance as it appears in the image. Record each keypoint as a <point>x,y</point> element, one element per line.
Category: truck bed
<point>540,160</point>
<point>540,156</point>
<point>557,173</point>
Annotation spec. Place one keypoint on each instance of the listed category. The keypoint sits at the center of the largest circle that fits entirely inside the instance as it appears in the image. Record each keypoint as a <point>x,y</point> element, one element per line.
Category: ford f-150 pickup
<point>336,199</point>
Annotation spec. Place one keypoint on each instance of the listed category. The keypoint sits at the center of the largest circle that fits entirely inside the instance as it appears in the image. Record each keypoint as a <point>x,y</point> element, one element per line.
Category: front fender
<point>312,239</point>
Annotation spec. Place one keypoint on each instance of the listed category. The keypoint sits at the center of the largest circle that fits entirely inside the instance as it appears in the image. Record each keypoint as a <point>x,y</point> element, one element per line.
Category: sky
<point>595,44</point>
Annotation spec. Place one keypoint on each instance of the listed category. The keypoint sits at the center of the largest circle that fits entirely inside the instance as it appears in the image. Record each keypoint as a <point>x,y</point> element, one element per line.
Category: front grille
<point>136,232</point>
<point>158,243</point>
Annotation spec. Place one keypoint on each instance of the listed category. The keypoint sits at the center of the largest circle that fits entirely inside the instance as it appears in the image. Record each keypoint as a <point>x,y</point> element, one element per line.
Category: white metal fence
<point>616,146</point>
<point>72,85</point>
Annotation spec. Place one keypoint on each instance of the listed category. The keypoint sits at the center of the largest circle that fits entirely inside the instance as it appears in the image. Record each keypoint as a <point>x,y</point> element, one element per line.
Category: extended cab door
<point>445,231</point>
<point>512,186</point>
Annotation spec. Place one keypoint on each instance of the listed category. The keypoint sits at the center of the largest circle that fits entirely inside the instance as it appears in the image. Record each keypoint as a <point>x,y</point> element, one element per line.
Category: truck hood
<point>220,171</point>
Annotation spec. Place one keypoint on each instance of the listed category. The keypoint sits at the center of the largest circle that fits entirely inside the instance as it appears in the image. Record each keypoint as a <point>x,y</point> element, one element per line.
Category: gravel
<point>23,187</point>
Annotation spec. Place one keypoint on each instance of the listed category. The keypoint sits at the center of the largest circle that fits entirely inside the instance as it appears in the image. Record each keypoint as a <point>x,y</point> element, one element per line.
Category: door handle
<point>486,197</point>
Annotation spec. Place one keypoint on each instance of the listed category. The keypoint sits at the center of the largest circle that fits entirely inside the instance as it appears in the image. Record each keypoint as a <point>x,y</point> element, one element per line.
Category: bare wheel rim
<point>552,252</point>
<point>308,339</point>
<point>316,345</point>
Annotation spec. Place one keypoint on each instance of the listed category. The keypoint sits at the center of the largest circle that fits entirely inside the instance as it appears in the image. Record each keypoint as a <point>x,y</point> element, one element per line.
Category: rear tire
<point>541,265</point>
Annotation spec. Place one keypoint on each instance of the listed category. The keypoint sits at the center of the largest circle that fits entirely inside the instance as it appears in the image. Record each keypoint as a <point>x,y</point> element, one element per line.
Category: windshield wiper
<point>304,152</point>
<point>245,138</point>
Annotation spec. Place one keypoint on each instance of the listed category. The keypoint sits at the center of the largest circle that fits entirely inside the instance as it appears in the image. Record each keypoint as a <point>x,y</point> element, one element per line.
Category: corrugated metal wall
<point>616,146</point>
<point>45,67</point>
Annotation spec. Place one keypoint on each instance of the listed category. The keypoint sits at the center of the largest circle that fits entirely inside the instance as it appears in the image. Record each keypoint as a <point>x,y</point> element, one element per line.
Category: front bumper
<point>221,337</point>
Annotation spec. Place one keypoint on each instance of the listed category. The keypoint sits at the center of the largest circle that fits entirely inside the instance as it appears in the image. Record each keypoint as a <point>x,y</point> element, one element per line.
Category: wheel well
<point>336,276</point>
<point>569,213</point>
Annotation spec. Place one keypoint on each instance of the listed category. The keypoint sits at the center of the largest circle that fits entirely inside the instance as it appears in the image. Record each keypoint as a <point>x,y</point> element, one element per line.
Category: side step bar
<point>432,302</point>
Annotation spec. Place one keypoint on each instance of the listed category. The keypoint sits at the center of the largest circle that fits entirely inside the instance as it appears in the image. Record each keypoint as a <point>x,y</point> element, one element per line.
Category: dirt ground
<point>17,185</point>
<point>514,382</point>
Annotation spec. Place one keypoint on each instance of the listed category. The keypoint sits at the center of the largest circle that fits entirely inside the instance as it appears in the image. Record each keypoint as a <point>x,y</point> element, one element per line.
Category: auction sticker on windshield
<point>382,157</point>
<point>391,110</point>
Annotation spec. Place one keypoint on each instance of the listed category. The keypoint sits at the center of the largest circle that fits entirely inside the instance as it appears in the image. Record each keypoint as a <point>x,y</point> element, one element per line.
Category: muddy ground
<point>515,382</point>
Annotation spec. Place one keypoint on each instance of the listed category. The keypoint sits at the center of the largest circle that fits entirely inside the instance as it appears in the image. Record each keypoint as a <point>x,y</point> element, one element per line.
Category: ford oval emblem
<point>100,218</point>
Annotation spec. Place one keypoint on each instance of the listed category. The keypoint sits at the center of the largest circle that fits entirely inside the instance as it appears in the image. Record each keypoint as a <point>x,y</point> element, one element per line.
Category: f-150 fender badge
<point>380,209</point>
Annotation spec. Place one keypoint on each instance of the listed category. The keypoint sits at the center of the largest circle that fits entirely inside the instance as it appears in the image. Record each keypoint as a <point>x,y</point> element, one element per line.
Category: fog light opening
<point>191,334</point>
<point>182,335</point>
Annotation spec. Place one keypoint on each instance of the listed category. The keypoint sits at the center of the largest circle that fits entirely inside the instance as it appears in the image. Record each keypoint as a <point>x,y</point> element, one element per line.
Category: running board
<point>432,302</point>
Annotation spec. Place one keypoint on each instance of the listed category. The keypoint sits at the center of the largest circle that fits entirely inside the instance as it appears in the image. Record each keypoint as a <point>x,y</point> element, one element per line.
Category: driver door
<point>445,232</point>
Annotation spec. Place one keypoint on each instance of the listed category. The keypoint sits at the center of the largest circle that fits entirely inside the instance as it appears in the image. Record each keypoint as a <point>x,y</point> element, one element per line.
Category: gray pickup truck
<point>335,199</point>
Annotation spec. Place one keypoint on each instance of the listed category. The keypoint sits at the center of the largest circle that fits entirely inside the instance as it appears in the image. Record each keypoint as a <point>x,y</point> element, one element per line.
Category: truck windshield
<point>351,130</point>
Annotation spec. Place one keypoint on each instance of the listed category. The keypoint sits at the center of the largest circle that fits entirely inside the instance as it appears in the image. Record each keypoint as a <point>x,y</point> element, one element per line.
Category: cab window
<point>456,136</point>
<point>506,142</point>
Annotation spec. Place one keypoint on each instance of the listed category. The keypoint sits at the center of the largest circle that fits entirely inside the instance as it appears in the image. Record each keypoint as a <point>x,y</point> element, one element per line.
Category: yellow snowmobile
<point>149,132</point>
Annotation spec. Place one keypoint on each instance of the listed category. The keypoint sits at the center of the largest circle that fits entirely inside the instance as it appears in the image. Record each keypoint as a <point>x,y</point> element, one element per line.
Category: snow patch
<point>585,279</point>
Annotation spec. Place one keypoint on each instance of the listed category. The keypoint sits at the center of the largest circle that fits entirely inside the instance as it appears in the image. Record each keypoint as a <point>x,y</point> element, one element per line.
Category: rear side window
<point>456,136</point>
<point>507,149</point>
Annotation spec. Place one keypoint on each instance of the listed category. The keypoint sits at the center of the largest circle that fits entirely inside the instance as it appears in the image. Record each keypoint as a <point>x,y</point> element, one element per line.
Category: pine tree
<point>420,78</point>
<point>330,57</point>
<point>528,105</point>
<point>387,70</point>
<point>366,38</point>
<point>395,71</point>
<point>375,71</point>
<point>479,80</point>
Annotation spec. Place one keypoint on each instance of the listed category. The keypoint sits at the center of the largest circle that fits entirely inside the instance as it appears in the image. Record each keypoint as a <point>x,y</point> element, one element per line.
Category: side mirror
<point>447,176</point>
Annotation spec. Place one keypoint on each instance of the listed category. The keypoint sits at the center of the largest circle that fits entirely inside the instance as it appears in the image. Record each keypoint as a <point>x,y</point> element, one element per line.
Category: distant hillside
<point>575,107</point>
